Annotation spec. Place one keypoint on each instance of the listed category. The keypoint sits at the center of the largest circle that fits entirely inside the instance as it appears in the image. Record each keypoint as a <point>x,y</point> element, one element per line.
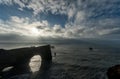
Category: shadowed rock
<point>114,72</point>
<point>20,57</point>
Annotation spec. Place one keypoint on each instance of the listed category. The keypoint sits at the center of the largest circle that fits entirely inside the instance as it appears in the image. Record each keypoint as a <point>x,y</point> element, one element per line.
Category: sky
<point>37,20</point>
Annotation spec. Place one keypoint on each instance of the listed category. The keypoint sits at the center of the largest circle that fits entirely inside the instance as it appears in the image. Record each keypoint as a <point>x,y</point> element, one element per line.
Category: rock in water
<point>114,72</point>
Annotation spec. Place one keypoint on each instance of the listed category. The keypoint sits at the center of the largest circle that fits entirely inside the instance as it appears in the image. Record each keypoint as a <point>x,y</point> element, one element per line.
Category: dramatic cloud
<point>85,18</point>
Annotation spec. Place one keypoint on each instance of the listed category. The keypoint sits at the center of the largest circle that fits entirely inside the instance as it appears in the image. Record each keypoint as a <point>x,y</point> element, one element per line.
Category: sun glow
<point>35,31</point>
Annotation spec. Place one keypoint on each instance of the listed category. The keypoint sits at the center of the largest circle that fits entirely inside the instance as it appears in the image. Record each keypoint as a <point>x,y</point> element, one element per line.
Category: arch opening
<point>35,63</point>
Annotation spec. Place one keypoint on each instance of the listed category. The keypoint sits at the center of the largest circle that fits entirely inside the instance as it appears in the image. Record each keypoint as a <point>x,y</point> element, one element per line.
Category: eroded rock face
<point>114,72</point>
<point>21,57</point>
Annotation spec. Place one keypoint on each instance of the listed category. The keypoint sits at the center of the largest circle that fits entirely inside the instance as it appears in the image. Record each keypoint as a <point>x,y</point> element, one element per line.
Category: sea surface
<point>72,61</point>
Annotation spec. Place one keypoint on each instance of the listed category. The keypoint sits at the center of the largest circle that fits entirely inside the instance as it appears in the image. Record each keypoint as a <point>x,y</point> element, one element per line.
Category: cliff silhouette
<point>19,58</point>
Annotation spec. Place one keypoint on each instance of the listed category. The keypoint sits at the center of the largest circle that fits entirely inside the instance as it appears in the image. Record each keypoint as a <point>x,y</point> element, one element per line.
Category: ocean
<point>72,61</point>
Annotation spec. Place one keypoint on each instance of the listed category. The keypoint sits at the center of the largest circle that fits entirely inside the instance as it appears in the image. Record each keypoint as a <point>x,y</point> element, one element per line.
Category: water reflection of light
<point>35,63</point>
<point>7,68</point>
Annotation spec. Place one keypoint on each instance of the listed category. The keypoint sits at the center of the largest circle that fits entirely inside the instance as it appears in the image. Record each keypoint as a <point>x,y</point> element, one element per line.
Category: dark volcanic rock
<point>21,57</point>
<point>90,48</point>
<point>114,72</point>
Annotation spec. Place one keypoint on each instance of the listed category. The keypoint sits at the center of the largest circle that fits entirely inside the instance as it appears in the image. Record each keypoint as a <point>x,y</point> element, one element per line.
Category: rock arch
<point>21,57</point>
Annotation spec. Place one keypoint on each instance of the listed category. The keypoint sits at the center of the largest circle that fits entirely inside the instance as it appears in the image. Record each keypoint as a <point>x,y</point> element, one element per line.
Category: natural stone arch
<point>20,57</point>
